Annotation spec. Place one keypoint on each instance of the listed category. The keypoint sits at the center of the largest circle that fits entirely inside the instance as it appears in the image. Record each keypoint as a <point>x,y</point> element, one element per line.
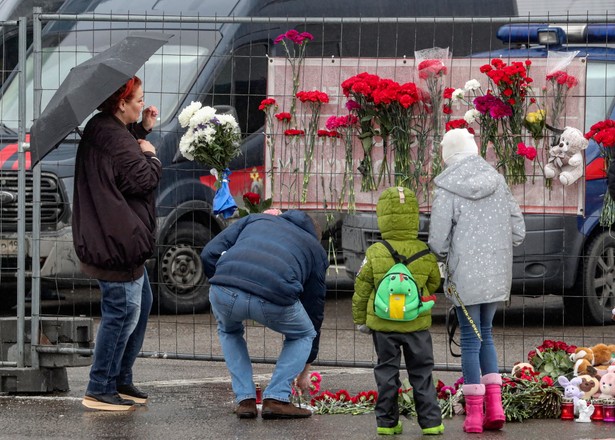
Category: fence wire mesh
<point>563,274</point>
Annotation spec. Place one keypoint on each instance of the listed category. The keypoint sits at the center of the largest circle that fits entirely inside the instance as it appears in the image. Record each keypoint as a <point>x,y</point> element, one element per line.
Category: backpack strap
<point>402,258</point>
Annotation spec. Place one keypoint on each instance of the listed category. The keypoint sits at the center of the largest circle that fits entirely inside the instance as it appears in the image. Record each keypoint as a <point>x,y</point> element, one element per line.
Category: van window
<point>167,75</point>
<point>242,83</point>
<point>600,91</point>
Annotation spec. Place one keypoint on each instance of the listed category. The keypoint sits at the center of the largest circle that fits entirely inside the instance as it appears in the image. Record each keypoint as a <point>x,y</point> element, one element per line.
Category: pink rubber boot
<point>474,395</point>
<point>494,413</point>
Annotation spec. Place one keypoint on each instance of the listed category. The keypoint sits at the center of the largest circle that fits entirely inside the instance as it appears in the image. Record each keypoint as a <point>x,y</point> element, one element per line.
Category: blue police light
<point>557,34</point>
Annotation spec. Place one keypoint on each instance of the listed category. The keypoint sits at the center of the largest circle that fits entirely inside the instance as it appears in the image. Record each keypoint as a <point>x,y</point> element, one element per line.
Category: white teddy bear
<point>566,157</point>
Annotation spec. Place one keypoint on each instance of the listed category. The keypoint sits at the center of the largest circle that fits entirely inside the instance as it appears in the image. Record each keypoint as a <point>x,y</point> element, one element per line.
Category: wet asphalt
<point>193,400</point>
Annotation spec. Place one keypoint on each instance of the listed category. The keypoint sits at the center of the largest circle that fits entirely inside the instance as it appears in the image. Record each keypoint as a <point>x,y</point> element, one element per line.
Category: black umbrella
<point>87,86</point>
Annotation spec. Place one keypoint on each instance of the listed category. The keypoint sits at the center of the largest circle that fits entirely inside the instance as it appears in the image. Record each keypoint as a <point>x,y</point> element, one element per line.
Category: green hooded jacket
<point>398,220</point>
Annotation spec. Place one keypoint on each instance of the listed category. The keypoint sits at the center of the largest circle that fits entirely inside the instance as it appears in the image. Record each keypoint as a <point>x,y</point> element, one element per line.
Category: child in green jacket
<point>398,220</point>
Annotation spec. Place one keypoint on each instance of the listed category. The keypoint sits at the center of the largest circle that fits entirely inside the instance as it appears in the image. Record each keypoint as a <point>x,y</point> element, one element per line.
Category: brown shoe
<point>246,409</point>
<point>274,409</point>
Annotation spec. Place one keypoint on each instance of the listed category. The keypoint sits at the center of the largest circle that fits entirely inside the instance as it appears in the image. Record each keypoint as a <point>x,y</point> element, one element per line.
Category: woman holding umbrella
<point>116,174</point>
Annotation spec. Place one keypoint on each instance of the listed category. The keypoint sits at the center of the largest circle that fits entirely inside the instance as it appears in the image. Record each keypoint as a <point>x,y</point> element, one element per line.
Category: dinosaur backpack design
<point>398,297</point>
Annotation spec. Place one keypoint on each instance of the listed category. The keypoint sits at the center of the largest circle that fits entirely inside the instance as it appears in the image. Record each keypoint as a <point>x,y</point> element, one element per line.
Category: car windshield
<point>167,75</point>
<point>600,91</point>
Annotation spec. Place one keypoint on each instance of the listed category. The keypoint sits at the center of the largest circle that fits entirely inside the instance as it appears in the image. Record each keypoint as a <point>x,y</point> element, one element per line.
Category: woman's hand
<point>149,117</point>
<point>146,146</point>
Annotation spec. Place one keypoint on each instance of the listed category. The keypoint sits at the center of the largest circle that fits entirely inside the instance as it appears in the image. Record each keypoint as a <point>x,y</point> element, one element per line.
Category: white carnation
<point>187,113</point>
<point>227,120</point>
<point>471,85</point>
<point>471,115</point>
<point>186,147</point>
<point>458,95</point>
<point>202,116</point>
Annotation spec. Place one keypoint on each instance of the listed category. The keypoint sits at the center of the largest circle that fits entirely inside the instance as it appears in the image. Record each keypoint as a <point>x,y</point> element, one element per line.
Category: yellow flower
<point>535,117</point>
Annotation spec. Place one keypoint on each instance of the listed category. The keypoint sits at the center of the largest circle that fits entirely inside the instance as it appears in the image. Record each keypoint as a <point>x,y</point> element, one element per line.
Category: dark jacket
<point>399,225</point>
<point>277,258</point>
<point>114,215</point>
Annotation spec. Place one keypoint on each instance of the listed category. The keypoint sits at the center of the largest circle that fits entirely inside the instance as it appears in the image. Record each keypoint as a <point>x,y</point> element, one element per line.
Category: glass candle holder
<point>608,411</point>
<point>598,414</point>
<point>567,408</point>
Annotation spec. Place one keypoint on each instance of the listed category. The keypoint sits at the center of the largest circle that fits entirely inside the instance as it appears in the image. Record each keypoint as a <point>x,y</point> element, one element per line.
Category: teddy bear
<point>600,356</point>
<point>589,385</point>
<point>566,156</point>
<point>607,384</point>
<point>571,388</point>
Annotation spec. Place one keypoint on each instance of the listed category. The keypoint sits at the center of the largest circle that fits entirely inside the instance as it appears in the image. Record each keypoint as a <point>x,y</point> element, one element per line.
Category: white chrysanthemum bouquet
<point>211,139</point>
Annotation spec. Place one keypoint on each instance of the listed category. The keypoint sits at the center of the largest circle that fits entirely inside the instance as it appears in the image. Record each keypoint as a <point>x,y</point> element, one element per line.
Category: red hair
<point>126,92</point>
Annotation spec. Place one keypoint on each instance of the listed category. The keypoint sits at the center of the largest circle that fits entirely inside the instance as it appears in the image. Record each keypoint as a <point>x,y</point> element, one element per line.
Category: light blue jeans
<point>477,358</point>
<point>231,307</point>
<point>125,308</point>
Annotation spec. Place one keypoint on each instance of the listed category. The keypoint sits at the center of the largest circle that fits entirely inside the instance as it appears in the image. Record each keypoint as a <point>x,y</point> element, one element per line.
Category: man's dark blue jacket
<point>277,258</point>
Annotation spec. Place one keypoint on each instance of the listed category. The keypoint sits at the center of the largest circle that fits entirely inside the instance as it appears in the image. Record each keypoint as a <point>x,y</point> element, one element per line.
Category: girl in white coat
<point>475,222</point>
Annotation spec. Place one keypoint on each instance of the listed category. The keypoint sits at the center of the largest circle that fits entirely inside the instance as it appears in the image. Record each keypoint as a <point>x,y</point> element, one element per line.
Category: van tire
<point>181,281</point>
<point>593,296</point>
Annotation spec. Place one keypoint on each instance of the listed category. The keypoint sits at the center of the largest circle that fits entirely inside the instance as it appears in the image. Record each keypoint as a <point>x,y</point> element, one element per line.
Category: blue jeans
<point>125,308</point>
<point>477,358</point>
<point>231,306</point>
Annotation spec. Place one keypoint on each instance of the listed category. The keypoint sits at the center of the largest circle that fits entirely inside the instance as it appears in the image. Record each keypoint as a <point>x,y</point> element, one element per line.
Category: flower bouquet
<point>603,133</point>
<point>530,396</point>
<point>295,44</point>
<point>212,139</point>
<point>359,89</point>
<point>559,84</point>
<point>432,66</point>
<point>314,100</point>
<point>502,114</point>
<point>552,358</point>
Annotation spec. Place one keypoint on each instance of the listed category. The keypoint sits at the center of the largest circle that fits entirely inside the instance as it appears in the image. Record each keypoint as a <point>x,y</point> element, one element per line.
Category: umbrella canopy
<point>87,86</point>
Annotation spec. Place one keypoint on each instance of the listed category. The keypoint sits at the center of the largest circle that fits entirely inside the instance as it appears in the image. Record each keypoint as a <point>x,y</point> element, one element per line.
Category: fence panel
<point>226,62</point>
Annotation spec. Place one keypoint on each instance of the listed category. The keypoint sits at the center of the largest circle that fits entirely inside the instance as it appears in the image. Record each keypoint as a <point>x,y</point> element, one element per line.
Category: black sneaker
<point>131,392</point>
<point>107,402</point>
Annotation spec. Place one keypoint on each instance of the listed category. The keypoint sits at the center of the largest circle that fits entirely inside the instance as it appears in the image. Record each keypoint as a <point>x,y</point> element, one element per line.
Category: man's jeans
<point>230,307</point>
<point>125,308</point>
<point>477,358</point>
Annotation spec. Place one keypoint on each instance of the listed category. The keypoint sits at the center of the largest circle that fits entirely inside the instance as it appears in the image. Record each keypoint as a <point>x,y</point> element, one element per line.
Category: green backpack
<point>398,297</point>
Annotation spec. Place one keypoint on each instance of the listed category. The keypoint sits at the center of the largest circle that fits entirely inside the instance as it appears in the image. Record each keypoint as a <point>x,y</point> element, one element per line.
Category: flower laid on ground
<point>530,396</point>
<point>432,67</point>
<point>447,397</point>
<point>211,138</point>
<point>552,358</point>
<point>314,100</point>
<point>295,44</point>
<point>253,204</point>
<point>603,133</point>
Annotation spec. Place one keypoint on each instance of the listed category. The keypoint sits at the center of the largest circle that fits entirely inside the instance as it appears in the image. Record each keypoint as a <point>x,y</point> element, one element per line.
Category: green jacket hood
<point>398,214</point>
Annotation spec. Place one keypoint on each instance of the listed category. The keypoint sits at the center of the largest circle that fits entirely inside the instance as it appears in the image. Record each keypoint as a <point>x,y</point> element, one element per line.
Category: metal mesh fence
<point>563,273</point>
